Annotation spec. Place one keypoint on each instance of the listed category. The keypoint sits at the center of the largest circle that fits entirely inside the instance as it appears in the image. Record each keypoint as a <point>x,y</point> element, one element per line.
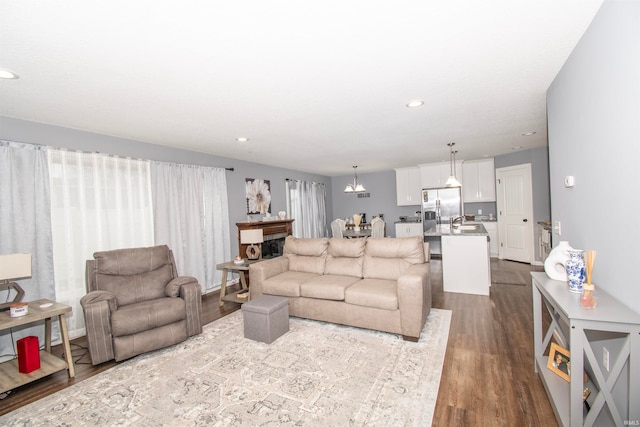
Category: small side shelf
<point>233,297</point>
<point>11,378</point>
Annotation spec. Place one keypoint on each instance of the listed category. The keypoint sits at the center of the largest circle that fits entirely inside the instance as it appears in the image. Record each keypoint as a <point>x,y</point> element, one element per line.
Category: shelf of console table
<point>10,377</point>
<point>611,323</point>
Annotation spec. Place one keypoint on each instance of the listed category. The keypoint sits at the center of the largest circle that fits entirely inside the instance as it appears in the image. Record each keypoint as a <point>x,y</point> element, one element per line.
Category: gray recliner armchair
<point>136,303</point>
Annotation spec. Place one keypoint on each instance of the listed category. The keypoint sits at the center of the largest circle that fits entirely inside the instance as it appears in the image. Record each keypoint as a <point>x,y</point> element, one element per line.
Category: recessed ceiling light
<point>415,104</point>
<point>242,139</point>
<point>528,133</point>
<point>8,74</point>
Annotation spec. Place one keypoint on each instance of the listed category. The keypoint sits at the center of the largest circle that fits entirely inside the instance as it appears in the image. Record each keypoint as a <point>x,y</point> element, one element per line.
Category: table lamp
<point>13,266</point>
<point>251,237</point>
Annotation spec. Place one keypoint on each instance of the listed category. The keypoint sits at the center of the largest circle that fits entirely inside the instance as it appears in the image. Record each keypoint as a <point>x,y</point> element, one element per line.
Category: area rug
<point>316,374</point>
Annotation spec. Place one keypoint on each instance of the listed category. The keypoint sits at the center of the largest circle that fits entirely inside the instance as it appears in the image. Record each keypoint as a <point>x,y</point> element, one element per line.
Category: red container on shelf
<point>28,354</point>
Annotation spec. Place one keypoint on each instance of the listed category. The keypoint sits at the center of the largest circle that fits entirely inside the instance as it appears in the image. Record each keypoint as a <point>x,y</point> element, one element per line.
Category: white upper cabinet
<point>480,181</point>
<point>434,175</point>
<point>408,186</point>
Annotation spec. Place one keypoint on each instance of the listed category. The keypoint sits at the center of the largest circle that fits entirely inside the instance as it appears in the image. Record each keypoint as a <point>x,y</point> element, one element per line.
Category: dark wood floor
<point>487,379</point>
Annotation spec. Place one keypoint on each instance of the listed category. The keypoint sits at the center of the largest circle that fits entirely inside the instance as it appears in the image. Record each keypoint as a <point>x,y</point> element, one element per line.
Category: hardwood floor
<point>487,377</point>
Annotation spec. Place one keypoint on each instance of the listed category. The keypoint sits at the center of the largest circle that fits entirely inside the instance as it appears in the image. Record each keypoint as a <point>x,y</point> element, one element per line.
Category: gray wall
<point>382,188</point>
<point>55,136</point>
<point>594,135</point>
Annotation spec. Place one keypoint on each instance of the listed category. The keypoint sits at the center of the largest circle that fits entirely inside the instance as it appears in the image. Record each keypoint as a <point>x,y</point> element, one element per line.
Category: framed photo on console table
<point>560,361</point>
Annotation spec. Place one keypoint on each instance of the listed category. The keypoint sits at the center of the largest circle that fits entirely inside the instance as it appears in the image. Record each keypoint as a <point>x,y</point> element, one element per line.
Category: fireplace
<point>274,232</point>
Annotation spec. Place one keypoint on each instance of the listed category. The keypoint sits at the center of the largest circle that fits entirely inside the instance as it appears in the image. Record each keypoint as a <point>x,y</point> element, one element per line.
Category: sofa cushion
<point>308,255</point>
<point>286,284</point>
<point>376,293</point>
<point>328,286</point>
<point>345,257</point>
<point>390,258</point>
<point>147,315</point>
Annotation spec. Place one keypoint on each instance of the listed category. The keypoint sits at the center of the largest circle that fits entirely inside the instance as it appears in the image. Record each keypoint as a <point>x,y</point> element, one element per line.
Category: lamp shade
<point>249,237</point>
<point>15,266</point>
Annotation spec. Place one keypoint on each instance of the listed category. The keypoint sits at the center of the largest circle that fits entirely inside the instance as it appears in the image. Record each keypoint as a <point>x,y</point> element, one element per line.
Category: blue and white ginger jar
<point>575,270</point>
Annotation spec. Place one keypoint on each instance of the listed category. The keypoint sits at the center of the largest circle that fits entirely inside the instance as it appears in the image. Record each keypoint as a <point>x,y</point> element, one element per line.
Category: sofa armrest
<point>97,307</point>
<point>173,287</point>
<point>191,292</point>
<point>414,299</point>
<point>261,271</point>
<point>188,288</point>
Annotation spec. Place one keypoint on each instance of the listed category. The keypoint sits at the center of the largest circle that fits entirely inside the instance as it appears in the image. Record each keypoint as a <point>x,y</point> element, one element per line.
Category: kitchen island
<point>466,262</point>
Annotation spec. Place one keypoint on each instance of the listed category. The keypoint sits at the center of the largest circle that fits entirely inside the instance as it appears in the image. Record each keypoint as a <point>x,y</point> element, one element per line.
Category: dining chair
<point>377,227</point>
<point>337,227</point>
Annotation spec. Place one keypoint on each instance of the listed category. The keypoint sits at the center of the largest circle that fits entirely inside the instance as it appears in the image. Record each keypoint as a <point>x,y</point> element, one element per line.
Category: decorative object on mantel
<point>356,187</point>
<point>452,181</point>
<point>555,264</point>
<point>251,237</point>
<point>258,193</point>
<point>13,266</point>
<point>282,215</point>
<point>587,298</point>
<point>575,270</point>
<point>356,220</point>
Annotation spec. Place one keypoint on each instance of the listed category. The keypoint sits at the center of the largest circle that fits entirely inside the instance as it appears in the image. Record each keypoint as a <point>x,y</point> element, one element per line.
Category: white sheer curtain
<point>192,217</point>
<point>25,227</point>
<point>98,202</point>
<point>306,203</point>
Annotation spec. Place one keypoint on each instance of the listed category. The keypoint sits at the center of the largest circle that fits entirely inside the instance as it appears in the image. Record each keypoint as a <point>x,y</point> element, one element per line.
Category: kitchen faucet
<point>456,219</point>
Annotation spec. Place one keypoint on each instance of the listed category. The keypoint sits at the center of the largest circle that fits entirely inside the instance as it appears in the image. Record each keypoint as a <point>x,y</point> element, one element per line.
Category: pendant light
<point>356,187</point>
<point>452,181</point>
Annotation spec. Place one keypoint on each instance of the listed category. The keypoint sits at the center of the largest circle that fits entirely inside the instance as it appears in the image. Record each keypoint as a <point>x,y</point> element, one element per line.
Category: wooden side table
<point>10,377</point>
<point>242,269</point>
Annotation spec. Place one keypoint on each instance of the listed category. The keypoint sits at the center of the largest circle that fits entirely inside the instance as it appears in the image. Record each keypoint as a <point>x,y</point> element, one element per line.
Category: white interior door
<point>515,213</point>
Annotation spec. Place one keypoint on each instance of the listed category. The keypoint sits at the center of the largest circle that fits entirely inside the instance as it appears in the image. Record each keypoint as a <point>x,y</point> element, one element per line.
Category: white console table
<point>610,325</point>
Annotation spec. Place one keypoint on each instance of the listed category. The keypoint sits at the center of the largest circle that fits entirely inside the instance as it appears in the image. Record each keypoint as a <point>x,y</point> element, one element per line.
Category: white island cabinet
<point>492,229</point>
<point>466,265</point>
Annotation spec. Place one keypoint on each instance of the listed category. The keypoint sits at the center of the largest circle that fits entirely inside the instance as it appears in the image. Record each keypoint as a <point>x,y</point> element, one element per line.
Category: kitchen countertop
<point>410,220</point>
<point>444,230</point>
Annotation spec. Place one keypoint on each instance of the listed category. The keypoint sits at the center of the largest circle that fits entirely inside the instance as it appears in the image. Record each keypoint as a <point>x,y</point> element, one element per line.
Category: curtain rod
<point>98,152</point>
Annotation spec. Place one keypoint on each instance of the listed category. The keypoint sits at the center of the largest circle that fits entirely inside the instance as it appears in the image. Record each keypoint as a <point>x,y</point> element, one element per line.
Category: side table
<point>242,269</point>
<point>10,377</point>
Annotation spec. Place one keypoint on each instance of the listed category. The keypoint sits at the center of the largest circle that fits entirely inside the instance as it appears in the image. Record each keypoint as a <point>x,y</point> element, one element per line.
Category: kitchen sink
<point>466,227</point>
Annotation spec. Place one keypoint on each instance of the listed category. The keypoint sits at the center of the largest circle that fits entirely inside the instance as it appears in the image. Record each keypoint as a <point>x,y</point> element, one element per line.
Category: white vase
<point>555,264</point>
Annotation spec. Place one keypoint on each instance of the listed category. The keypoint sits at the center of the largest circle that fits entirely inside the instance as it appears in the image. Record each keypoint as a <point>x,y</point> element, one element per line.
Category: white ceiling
<point>316,86</point>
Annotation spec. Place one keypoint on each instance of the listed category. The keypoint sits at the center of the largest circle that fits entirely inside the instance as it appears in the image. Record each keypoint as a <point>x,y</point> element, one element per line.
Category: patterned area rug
<point>316,374</point>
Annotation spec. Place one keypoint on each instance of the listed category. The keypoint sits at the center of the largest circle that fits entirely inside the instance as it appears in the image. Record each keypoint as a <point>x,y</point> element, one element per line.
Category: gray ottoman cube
<point>266,318</point>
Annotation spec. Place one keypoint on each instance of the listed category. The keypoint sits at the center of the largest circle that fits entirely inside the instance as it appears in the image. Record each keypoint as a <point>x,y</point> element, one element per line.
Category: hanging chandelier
<point>356,187</point>
<point>452,181</point>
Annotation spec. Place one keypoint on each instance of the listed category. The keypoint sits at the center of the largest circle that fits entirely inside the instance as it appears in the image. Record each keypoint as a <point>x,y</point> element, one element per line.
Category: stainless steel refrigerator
<point>439,205</point>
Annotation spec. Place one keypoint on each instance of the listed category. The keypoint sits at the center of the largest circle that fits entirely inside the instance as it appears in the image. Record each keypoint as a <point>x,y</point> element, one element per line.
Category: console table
<point>10,377</point>
<point>612,328</point>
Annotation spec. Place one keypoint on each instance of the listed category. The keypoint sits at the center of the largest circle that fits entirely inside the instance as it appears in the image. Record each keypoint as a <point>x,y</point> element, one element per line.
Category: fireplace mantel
<point>271,230</point>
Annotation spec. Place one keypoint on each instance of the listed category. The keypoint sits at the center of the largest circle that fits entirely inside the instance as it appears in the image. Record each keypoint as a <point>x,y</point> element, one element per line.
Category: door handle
<point>525,220</point>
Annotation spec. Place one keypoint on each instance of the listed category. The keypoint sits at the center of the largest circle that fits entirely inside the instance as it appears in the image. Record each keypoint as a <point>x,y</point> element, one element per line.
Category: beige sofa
<point>374,283</point>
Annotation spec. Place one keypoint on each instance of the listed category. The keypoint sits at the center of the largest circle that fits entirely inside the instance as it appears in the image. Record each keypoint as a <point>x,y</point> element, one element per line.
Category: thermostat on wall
<point>569,181</point>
